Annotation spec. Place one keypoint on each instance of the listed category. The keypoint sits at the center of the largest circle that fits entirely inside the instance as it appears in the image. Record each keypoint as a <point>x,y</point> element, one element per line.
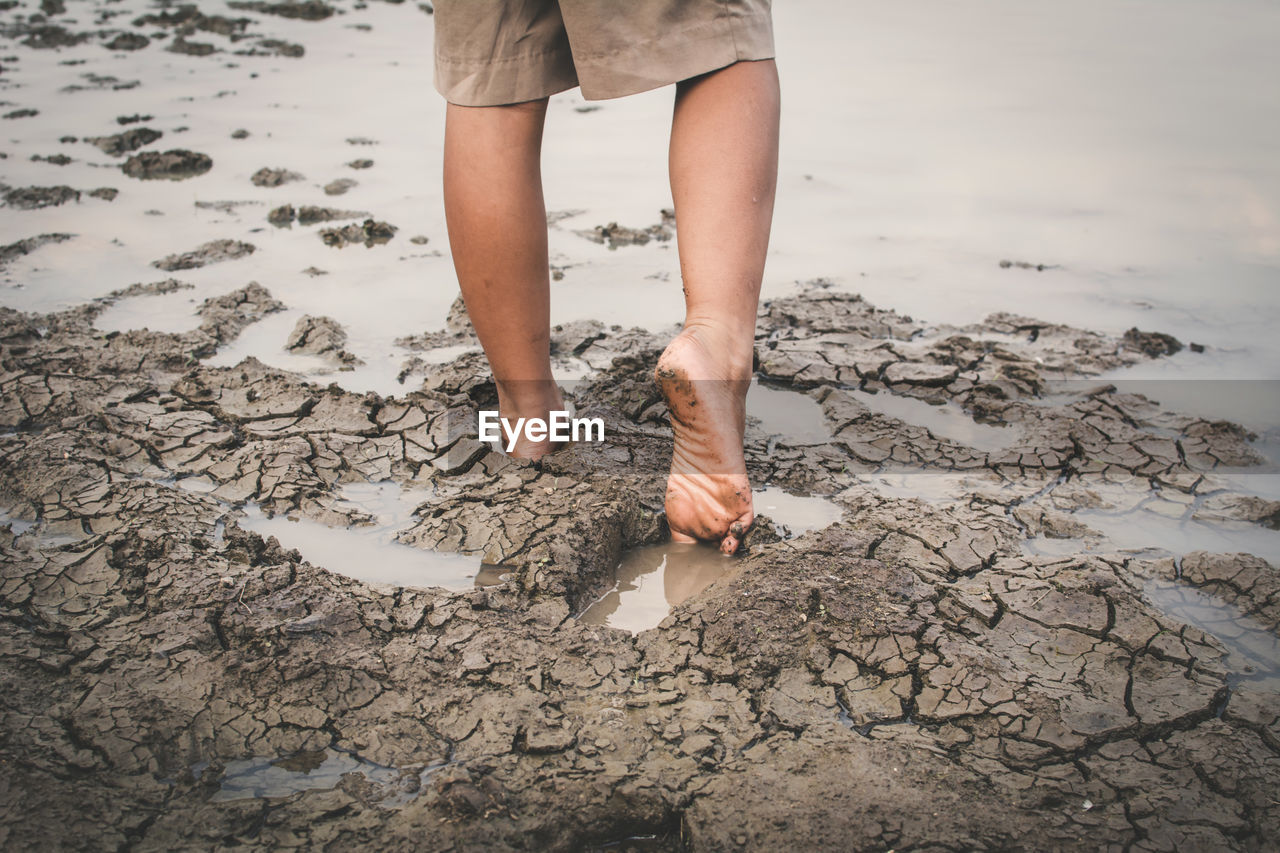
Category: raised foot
<point>708,494</point>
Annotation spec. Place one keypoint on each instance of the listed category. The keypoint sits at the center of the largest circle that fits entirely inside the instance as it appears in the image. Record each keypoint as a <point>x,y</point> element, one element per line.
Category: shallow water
<point>932,486</point>
<point>1157,527</point>
<point>370,553</point>
<point>795,514</point>
<point>258,778</point>
<point>792,416</point>
<point>945,421</point>
<point>43,534</point>
<point>652,579</point>
<point>1253,652</point>
<point>17,526</point>
<point>1127,143</point>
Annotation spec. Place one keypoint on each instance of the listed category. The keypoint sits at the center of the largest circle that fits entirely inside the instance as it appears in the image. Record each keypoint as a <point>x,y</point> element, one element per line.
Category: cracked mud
<point>907,677</point>
<point>979,668</point>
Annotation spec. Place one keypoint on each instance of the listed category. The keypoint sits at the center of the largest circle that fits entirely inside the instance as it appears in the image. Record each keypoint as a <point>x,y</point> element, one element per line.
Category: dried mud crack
<point>907,678</point>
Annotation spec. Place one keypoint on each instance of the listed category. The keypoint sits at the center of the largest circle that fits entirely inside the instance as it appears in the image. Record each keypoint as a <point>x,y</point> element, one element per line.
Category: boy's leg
<point>498,233</point>
<point>724,165</point>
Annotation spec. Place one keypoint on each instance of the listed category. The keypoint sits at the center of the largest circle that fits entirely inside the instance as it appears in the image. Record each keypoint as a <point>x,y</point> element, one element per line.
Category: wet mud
<point>370,232</point>
<point>901,676</point>
<point>614,235</point>
<point>320,336</point>
<point>120,144</point>
<point>175,165</point>
<point>243,609</point>
<point>34,198</point>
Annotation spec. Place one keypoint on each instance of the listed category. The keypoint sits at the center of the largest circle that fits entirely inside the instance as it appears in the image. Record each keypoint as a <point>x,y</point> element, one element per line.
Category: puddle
<point>167,312</point>
<point>370,553</point>
<point>42,533</point>
<point>440,355</point>
<point>199,485</point>
<point>932,486</point>
<point>791,416</point>
<point>1143,529</point>
<point>793,513</point>
<point>492,575</point>
<point>316,770</point>
<point>16,525</point>
<point>653,579</point>
<point>945,421</point>
<point>1253,652</point>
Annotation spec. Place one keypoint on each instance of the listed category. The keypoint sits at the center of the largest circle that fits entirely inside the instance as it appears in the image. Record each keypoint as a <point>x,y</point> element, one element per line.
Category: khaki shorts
<point>491,52</point>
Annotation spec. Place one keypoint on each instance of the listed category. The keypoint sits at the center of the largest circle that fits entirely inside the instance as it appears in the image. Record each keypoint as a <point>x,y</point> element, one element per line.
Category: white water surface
<point>1129,143</point>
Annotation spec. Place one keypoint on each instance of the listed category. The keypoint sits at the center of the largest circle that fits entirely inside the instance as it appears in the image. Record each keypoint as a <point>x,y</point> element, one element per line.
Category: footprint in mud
<point>653,579</point>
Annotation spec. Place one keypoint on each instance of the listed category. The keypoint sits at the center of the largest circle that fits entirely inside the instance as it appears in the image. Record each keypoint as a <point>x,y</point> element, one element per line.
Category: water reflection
<point>1151,527</point>
<point>1253,652</point>
<point>370,553</point>
<point>653,579</point>
<point>946,421</point>
<point>792,416</point>
<point>795,514</point>
<point>309,770</point>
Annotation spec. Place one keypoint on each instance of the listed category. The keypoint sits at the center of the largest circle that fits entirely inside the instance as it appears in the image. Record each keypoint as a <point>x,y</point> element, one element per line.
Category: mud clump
<point>212,252</point>
<point>174,165</point>
<point>34,198</point>
<point>615,235</point>
<point>51,36</point>
<point>1152,344</point>
<point>1026,265</point>
<point>282,216</point>
<point>191,48</point>
<point>128,41</point>
<point>24,112</point>
<point>339,187</point>
<point>361,163</point>
<point>119,144</point>
<point>28,245</point>
<point>267,177</point>
<point>322,336</point>
<point>307,10</point>
<point>274,47</point>
<point>105,193</point>
<point>309,215</point>
<point>187,19</point>
<point>153,288</point>
<point>369,232</point>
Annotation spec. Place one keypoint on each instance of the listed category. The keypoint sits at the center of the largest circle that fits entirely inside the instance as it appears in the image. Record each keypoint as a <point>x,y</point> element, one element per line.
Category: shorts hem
<point>637,67</point>
<point>732,39</point>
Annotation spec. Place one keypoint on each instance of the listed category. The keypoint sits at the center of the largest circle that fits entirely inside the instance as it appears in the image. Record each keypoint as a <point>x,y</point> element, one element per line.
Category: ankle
<point>529,398</point>
<point>732,346</point>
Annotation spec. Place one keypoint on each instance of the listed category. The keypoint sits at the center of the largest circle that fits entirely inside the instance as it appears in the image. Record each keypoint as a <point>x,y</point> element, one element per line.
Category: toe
<point>729,544</point>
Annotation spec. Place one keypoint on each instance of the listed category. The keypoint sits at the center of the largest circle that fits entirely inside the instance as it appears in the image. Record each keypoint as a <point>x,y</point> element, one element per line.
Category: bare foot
<point>708,494</point>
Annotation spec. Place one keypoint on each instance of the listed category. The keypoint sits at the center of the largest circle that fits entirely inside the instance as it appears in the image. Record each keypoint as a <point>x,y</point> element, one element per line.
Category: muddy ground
<point>922,675</point>
<point>907,678</point>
